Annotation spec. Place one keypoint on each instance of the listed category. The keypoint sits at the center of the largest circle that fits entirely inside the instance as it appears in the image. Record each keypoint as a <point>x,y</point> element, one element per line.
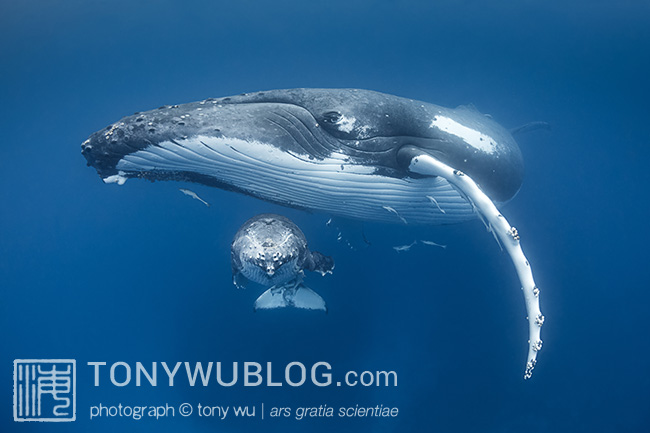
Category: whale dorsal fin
<point>531,126</point>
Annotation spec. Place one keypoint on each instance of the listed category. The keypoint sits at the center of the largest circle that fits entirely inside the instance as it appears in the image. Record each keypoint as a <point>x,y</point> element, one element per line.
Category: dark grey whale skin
<point>304,122</point>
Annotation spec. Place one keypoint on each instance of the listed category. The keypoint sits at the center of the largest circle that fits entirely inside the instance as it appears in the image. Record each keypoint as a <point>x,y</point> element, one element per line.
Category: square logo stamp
<point>44,390</point>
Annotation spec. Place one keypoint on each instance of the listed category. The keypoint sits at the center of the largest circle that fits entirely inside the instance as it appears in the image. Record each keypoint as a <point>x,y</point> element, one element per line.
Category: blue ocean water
<point>141,273</point>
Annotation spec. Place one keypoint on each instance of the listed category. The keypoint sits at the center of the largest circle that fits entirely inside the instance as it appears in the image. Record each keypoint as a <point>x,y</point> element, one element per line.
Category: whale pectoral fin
<point>318,262</point>
<point>420,162</point>
<point>239,280</point>
<point>298,296</point>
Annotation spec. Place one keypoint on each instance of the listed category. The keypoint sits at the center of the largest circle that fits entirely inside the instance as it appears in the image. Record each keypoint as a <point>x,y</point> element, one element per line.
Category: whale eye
<point>331,117</point>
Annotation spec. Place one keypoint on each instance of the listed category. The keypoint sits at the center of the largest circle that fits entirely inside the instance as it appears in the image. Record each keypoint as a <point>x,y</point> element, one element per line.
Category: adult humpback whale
<point>347,152</point>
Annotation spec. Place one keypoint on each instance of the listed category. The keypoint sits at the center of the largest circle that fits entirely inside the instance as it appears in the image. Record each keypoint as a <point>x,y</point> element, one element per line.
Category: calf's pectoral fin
<point>418,161</point>
<point>318,262</point>
<point>239,280</point>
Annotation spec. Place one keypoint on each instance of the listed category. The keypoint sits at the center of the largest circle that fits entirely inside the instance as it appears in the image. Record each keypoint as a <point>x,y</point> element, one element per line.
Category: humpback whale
<point>271,250</point>
<point>347,152</point>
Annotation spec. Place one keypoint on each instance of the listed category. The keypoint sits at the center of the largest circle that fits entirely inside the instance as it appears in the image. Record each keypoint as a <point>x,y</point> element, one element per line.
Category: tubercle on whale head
<point>270,270</point>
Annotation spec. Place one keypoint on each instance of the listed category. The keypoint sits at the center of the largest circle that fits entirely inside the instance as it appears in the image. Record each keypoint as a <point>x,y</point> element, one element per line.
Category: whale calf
<point>346,152</point>
<point>271,250</point>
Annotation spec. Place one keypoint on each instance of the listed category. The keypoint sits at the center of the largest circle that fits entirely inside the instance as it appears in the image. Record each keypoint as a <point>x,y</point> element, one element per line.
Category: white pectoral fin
<point>298,296</point>
<point>239,280</point>
<point>509,237</point>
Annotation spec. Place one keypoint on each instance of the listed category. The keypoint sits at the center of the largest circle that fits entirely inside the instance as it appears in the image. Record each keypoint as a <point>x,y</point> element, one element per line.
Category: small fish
<point>434,201</point>
<point>351,234</point>
<point>193,195</point>
<point>391,210</point>
<point>432,243</point>
<point>404,248</point>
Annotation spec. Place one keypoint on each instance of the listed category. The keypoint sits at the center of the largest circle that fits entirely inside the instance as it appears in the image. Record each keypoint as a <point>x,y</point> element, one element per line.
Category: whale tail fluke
<point>293,295</point>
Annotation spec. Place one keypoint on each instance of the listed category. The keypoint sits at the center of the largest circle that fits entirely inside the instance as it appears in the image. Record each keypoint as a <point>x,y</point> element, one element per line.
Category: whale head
<point>269,249</point>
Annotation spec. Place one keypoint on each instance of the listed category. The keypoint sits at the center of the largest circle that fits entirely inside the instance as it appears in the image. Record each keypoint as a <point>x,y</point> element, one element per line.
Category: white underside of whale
<point>333,185</point>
